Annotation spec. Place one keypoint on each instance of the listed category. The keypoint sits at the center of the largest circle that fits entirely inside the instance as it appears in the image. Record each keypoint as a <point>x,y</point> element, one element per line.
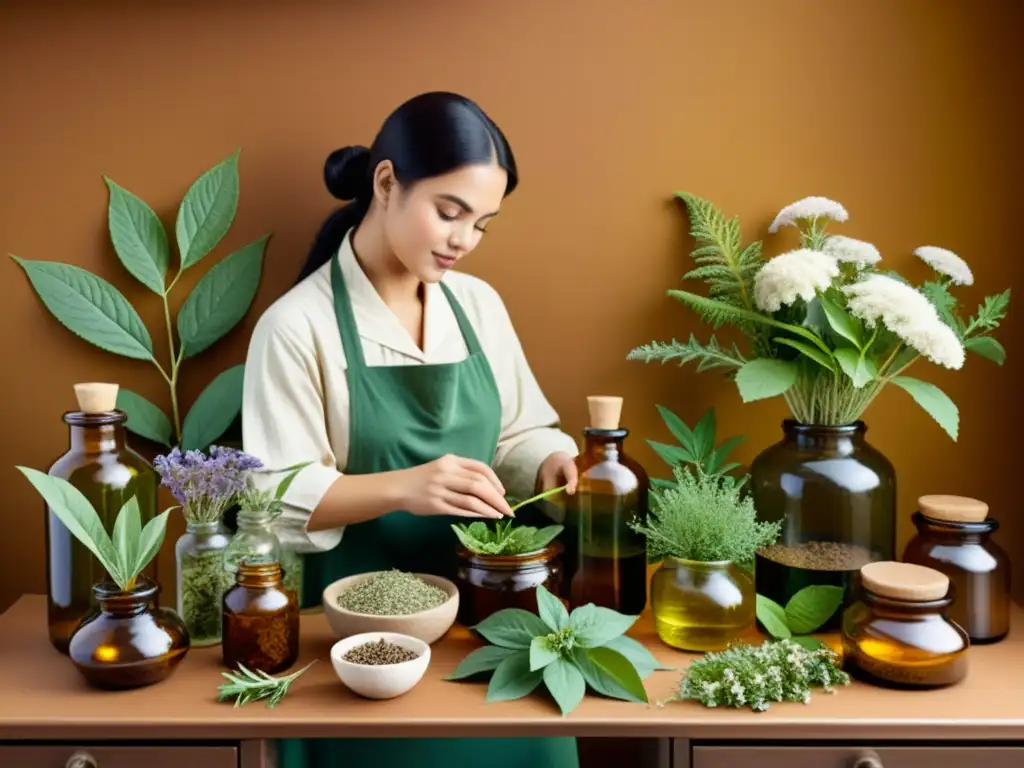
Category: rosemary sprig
<point>252,686</point>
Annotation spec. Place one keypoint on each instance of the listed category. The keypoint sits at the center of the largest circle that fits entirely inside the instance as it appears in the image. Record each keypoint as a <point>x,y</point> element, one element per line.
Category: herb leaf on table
<point>805,612</point>
<point>568,652</point>
<point>246,685</point>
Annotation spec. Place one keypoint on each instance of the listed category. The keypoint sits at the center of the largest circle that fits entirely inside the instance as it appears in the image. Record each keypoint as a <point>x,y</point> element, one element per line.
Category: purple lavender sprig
<point>205,486</point>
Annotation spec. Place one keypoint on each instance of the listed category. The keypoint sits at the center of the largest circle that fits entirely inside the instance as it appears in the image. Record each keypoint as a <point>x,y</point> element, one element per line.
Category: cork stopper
<point>605,411</point>
<point>953,509</point>
<point>96,397</point>
<point>904,581</point>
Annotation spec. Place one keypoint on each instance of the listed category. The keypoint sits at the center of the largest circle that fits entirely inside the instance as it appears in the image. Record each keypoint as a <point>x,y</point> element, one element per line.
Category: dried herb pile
<point>379,652</point>
<point>392,593</point>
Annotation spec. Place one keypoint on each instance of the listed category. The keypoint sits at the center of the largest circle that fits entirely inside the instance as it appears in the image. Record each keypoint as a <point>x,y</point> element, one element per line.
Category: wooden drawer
<point>855,757</point>
<point>85,756</point>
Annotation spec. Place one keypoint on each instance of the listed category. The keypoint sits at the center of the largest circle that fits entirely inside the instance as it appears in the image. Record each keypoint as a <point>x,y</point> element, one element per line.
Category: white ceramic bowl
<point>427,626</point>
<point>380,681</point>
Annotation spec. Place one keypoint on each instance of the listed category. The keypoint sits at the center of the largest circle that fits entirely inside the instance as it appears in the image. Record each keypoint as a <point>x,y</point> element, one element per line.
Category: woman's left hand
<point>557,470</point>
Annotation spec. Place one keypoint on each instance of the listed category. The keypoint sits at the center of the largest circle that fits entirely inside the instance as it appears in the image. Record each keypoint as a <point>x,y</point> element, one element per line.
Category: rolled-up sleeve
<point>284,423</point>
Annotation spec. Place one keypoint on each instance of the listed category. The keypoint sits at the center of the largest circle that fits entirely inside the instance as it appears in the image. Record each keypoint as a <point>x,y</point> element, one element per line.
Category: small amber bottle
<point>954,536</point>
<point>896,632</point>
<point>606,560</point>
<point>261,619</point>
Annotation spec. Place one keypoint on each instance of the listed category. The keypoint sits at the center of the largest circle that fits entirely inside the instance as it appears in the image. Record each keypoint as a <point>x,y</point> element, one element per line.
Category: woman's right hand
<point>452,485</point>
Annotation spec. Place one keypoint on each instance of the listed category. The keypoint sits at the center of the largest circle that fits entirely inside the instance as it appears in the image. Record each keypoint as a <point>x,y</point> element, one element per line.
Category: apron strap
<point>468,334</point>
<point>350,340</point>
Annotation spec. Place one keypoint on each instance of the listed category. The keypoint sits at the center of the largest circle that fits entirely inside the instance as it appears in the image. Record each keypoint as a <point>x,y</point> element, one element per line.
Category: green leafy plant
<point>567,652</point>
<point>125,554</point>
<point>752,676</point>
<point>826,329</point>
<point>696,447</point>
<point>99,313</point>
<point>704,518</point>
<point>245,686</point>
<point>253,498</point>
<point>805,613</point>
<point>503,539</point>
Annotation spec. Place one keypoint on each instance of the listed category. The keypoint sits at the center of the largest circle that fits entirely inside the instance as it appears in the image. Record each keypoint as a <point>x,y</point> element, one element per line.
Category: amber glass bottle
<point>897,633</point>
<point>954,537</point>
<point>101,465</point>
<point>606,561</point>
<point>261,619</point>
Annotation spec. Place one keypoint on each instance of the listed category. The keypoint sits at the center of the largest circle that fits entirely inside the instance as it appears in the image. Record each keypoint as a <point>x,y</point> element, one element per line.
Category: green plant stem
<point>539,496</point>
<point>172,381</point>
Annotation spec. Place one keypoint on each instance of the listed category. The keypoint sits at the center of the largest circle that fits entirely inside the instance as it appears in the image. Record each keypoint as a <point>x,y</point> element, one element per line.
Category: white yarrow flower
<point>809,208</point>
<point>797,274</point>
<point>946,263</point>
<point>906,312</point>
<point>852,250</point>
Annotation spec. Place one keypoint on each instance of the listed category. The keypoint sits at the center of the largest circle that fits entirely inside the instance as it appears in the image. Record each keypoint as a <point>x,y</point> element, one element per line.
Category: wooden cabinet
<point>838,756</point>
<point>103,756</point>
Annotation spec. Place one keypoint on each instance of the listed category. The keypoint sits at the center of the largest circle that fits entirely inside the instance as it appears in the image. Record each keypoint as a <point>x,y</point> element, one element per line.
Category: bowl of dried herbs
<point>380,665</point>
<point>419,605</point>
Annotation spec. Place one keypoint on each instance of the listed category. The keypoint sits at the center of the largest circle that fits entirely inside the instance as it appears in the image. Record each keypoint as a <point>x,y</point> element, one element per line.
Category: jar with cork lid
<point>897,632</point>
<point>99,463</point>
<point>605,560</point>
<point>954,537</point>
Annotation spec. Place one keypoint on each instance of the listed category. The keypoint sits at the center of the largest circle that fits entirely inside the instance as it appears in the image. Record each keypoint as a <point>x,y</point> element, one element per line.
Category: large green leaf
<point>139,238</point>
<point>988,348</point>
<point>513,678</point>
<point>680,431</point>
<point>90,307</point>
<point>637,655</point>
<point>150,540</point>
<point>595,625</point>
<point>541,653</point>
<point>207,211</point>
<point>221,298</point>
<point>78,516</point>
<point>704,434</point>
<point>214,410</point>
<point>860,369</point>
<point>551,610</point>
<point>841,321</point>
<point>609,673</point>
<point>815,354</point>
<point>483,659</point>
<point>765,377</point>
<point>934,401</point>
<point>144,419</point>
<point>773,616</point>
<point>512,628</point>
<point>566,684</point>
<point>811,607</point>
<point>126,538</point>
<point>671,454</point>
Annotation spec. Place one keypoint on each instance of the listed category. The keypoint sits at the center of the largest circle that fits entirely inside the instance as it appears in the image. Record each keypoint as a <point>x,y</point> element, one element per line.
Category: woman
<point>404,380</point>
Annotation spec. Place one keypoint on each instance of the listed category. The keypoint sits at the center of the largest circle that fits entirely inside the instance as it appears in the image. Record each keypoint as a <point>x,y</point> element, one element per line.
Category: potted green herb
<point>130,642</point>
<point>705,534</point>
<point>501,567</point>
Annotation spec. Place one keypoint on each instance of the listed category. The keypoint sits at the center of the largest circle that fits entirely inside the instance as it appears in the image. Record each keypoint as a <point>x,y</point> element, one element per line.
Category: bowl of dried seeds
<point>415,604</point>
<point>380,665</point>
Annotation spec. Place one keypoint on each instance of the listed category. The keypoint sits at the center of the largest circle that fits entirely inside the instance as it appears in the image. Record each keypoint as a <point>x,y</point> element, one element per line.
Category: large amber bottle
<point>606,561</point>
<point>100,464</point>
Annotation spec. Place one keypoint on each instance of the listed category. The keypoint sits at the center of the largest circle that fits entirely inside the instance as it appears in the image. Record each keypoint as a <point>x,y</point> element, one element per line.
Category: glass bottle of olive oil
<point>100,464</point>
<point>606,561</point>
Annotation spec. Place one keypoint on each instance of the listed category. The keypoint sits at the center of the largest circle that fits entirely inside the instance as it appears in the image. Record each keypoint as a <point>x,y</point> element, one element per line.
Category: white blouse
<point>295,406</point>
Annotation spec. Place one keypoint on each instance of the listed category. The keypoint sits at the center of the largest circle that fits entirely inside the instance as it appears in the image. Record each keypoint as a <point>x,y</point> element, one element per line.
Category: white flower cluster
<point>808,208</point>
<point>797,274</point>
<point>851,250</point>
<point>946,263</point>
<point>909,314</point>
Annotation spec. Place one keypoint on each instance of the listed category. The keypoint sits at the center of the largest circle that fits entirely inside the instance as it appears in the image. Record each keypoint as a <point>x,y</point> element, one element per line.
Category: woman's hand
<point>452,485</point>
<point>557,470</point>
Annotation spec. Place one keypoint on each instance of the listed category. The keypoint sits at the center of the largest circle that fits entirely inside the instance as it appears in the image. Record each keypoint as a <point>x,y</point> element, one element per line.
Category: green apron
<point>401,417</point>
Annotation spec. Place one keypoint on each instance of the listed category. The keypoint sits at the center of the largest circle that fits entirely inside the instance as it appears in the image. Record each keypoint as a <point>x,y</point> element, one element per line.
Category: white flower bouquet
<point>828,329</point>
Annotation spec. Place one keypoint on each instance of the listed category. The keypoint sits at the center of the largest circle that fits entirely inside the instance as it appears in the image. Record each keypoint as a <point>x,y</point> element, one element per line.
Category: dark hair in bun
<point>429,135</point>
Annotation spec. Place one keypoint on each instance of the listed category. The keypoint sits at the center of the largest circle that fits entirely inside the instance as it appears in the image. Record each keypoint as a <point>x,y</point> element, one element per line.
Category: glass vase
<point>701,606</point>
<point>836,497</point>
<point>254,539</point>
<point>202,579</point>
<point>131,642</point>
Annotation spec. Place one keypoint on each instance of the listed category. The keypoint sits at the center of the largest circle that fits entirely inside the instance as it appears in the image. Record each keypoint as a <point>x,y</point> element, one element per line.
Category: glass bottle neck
<point>603,444</point>
<point>953,532</point>
<point>250,520</point>
<point>202,528</point>
<point>258,575</point>
<point>99,438</point>
<point>125,604</point>
<point>838,440</point>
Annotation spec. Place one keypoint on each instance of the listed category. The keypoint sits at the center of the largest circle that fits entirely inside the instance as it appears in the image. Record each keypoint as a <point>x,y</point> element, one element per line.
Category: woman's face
<point>434,223</point>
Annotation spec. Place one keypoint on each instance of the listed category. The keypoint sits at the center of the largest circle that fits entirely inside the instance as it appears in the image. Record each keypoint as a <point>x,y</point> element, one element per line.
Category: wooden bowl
<point>427,626</point>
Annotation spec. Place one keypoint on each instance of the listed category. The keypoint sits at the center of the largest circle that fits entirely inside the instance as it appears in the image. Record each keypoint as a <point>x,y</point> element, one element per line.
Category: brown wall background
<point>907,112</point>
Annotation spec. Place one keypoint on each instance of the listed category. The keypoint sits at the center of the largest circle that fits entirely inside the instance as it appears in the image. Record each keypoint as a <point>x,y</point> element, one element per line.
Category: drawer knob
<point>81,760</point>
<point>867,760</point>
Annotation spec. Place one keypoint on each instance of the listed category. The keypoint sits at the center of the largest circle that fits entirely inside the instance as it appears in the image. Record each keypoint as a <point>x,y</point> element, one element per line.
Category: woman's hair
<point>429,135</point>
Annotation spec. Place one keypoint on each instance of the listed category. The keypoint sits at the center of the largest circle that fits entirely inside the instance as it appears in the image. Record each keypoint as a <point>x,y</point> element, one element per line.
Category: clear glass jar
<point>835,495</point>
<point>978,567</point>
<point>702,606</point>
<point>131,642</point>
<point>100,464</point>
<point>202,579</point>
<point>896,633</point>
<point>489,583</point>
<point>261,620</point>
<point>254,539</point>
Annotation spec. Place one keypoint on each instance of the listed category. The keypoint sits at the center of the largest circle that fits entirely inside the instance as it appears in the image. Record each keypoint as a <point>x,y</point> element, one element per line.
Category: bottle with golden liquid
<point>101,465</point>
<point>606,561</point>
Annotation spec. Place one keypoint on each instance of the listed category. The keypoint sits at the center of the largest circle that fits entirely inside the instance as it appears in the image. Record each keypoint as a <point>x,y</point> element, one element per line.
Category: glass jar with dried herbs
<point>205,486</point>
<point>261,619</point>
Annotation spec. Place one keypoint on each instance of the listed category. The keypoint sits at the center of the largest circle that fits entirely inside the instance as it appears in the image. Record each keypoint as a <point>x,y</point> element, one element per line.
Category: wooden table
<point>48,713</point>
